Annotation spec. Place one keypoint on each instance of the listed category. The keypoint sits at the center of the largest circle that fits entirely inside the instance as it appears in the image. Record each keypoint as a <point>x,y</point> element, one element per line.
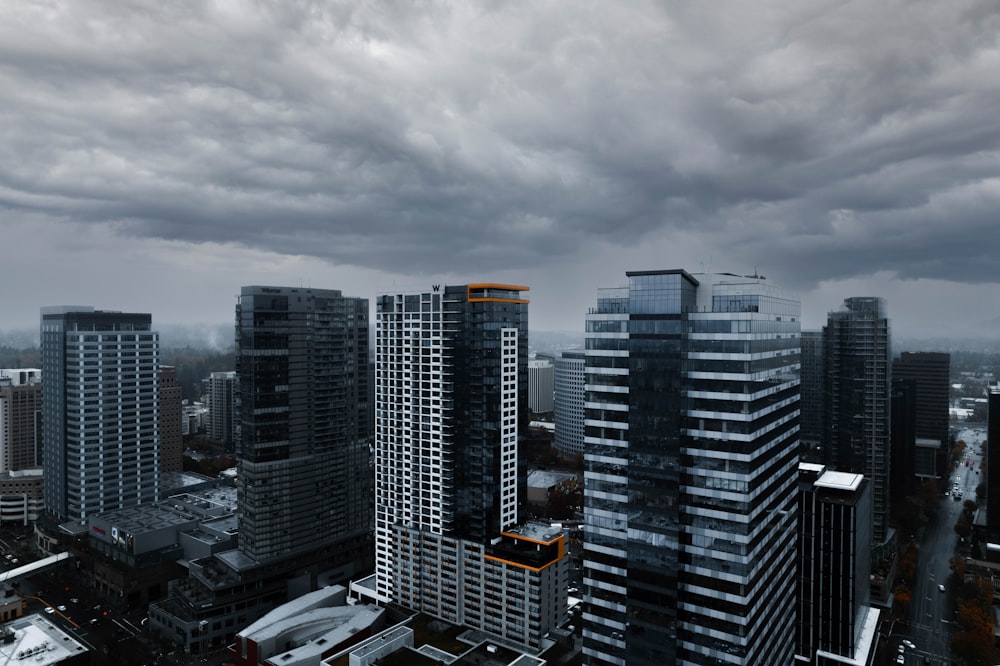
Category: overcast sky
<point>157,155</point>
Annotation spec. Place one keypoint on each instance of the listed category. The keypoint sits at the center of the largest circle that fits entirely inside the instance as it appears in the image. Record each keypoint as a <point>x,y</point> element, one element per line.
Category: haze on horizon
<point>156,157</point>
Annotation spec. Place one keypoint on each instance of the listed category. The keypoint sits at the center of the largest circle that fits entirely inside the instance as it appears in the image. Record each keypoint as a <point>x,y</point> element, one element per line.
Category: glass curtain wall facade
<point>858,383</point>
<point>691,458</point>
<point>303,476</point>
<point>100,412</point>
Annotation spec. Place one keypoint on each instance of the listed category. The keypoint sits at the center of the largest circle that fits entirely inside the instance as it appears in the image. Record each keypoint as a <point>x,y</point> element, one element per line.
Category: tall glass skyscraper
<point>302,459</point>
<point>100,412</point>
<point>691,463</point>
<point>858,363</point>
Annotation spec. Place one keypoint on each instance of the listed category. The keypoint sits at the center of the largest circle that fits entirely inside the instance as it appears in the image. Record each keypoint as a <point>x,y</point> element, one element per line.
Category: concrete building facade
<point>171,421</point>
<point>568,402</point>
<point>223,415</point>
<point>541,380</point>
<point>100,412</point>
<point>451,400</point>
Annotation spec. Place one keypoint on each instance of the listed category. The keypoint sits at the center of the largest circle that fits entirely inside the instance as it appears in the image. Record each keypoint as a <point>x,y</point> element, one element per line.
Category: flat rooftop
<point>38,642</point>
<point>839,481</point>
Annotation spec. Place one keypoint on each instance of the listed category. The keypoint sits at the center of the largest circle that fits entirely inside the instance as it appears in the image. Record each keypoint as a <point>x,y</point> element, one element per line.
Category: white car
<point>50,610</point>
<point>900,659</point>
<point>62,609</point>
<point>941,588</point>
<point>909,645</point>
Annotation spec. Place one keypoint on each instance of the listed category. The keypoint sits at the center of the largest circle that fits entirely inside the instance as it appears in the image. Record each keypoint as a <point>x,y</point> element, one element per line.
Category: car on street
<point>62,609</point>
<point>900,659</point>
<point>909,645</point>
<point>941,588</point>
<point>50,610</point>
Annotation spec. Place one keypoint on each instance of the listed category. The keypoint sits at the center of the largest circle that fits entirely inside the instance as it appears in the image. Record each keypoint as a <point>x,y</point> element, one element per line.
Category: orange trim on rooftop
<point>519,565</point>
<point>494,299</point>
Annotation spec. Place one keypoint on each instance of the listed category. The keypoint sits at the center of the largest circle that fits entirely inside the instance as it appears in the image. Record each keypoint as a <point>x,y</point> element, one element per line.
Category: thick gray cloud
<point>819,140</point>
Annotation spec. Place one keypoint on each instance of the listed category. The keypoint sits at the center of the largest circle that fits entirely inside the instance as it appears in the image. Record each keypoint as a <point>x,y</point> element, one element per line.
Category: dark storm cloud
<point>829,139</point>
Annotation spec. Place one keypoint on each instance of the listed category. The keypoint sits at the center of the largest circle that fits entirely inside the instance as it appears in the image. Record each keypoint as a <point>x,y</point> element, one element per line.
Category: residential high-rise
<point>304,500</point>
<point>859,377</point>
<point>20,419</point>
<point>171,421</point>
<point>541,377</point>
<point>836,624</point>
<point>100,412</point>
<point>568,403</point>
<point>451,400</point>
<point>20,445</point>
<point>302,460</point>
<point>691,459</point>
<point>223,424</point>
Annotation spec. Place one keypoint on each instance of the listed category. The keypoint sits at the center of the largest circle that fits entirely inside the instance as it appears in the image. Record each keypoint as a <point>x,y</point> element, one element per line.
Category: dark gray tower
<point>302,361</point>
<point>858,371</point>
<point>834,591</point>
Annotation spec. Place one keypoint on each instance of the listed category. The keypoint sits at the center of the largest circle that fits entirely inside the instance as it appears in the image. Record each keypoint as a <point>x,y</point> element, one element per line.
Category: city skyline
<point>840,150</point>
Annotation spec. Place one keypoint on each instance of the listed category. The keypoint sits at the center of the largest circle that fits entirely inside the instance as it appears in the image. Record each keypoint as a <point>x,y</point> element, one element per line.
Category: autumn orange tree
<point>974,647</point>
<point>903,596</point>
<point>974,601</point>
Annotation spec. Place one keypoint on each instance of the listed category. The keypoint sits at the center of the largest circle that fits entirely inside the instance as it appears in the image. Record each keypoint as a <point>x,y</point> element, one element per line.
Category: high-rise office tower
<point>223,422</point>
<point>20,419</point>
<point>302,460</point>
<point>691,460</point>
<point>171,417</point>
<point>568,403</point>
<point>836,624</point>
<point>451,399</point>
<point>931,376</point>
<point>813,394</point>
<point>859,377</point>
<point>100,412</point>
<point>541,377</point>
